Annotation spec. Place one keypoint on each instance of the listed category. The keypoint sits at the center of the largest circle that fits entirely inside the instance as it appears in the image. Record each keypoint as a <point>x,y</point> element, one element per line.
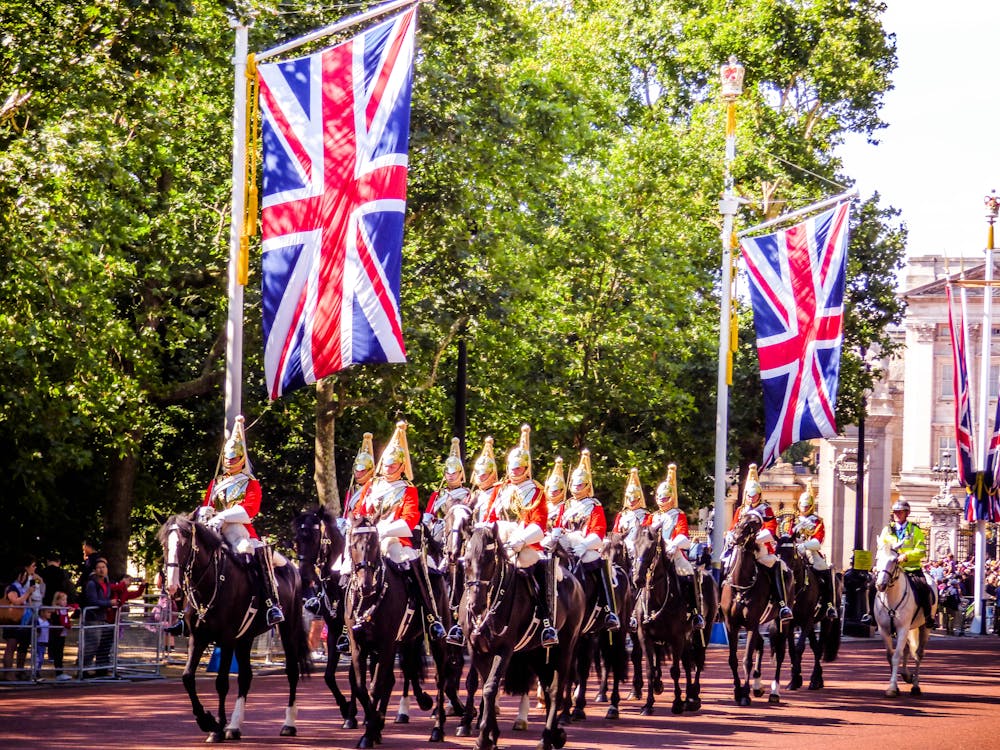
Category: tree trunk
<point>118,511</point>
<point>325,473</point>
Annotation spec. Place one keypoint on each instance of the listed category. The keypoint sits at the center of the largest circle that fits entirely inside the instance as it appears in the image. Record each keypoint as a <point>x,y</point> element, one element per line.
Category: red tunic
<point>250,502</point>
<point>770,522</point>
<point>408,508</point>
<point>818,530</point>
<point>534,511</point>
<point>595,523</point>
<point>680,526</point>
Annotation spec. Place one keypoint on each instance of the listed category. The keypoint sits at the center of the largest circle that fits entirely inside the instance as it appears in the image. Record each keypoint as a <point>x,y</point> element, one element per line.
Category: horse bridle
<point>742,547</point>
<point>321,565</point>
<point>646,591</point>
<point>379,585</point>
<point>190,587</point>
<point>496,591</point>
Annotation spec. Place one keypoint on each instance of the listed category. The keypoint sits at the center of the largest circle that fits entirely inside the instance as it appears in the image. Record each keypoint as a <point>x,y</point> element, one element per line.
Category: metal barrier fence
<point>134,646</point>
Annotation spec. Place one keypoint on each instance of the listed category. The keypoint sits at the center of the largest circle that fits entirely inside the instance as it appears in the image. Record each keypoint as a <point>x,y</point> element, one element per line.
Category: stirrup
<point>831,612</point>
<point>784,613</point>
<point>178,628</point>
<point>274,615</point>
<point>866,619</point>
<point>550,638</point>
<point>455,636</point>
<point>343,645</point>
<point>697,621</point>
<point>611,621</point>
<point>435,630</point>
<point>633,623</point>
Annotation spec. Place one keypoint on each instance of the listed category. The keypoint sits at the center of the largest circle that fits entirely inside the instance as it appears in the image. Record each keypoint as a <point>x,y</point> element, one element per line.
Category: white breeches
<point>681,564</point>
<point>395,551</point>
<point>765,557</point>
<point>817,560</point>
<point>240,541</point>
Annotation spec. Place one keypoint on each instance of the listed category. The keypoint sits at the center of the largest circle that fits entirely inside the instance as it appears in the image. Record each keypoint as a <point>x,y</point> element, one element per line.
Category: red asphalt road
<point>958,711</point>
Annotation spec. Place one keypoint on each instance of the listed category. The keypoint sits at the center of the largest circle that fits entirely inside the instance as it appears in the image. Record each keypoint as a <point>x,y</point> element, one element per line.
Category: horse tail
<point>294,635</point>
<point>519,675</point>
<point>830,634</point>
<point>413,660</point>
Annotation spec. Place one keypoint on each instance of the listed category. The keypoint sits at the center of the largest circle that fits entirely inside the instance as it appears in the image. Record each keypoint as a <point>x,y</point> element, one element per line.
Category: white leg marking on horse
<point>236,720</point>
<point>291,712</point>
<point>522,708</point>
<point>404,706</point>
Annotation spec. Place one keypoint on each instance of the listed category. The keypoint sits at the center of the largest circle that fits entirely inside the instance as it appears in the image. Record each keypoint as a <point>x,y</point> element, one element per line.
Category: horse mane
<point>207,538</point>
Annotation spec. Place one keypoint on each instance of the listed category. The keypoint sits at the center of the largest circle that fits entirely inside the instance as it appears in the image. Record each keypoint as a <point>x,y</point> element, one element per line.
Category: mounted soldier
<point>633,513</point>
<point>555,493</point>
<point>809,533</point>
<point>583,526</point>
<point>361,477</point>
<point>521,512</point>
<point>484,474</point>
<point>393,506</point>
<point>233,500</point>
<point>673,525</point>
<point>753,502</point>
<point>907,540</point>
<point>451,490</point>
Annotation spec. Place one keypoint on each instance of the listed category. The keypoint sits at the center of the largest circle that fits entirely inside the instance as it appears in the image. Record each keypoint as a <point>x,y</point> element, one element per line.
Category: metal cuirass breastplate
<point>229,491</point>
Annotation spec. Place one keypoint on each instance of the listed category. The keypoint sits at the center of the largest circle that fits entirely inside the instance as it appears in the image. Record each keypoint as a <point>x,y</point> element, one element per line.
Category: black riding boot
<point>178,628</point>
<point>269,586</point>
<point>611,621</point>
<point>433,626</point>
<point>693,599</point>
<point>826,592</point>
<point>778,592</point>
<point>545,589</point>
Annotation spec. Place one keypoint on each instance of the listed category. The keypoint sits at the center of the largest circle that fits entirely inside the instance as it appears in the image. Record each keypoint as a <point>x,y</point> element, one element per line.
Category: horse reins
<point>495,594</point>
<point>647,587</point>
<point>380,584</point>
<point>189,586</point>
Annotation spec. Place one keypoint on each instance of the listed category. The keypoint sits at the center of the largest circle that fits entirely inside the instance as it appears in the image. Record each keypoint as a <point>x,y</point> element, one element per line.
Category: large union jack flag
<point>797,293</point>
<point>336,134</point>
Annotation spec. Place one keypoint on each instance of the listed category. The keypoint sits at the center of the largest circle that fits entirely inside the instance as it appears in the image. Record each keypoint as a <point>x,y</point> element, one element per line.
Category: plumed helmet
<point>634,497</point>
<point>752,490</point>
<point>556,481</point>
<point>397,452</point>
<point>520,455</point>
<point>900,504</point>
<point>582,479</point>
<point>807,500</point>
<point>365,460</point>
<point>234,453</point>
<point>666,492</point>
<point>453,464</point>
<point>486,463</point>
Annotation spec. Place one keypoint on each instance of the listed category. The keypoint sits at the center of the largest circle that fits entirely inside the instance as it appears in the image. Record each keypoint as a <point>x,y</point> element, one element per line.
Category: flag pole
<point>992,209</point>
<point>341,25</point>
<point>811,208</point>
<point>234,322</point>
<point>732,86</point>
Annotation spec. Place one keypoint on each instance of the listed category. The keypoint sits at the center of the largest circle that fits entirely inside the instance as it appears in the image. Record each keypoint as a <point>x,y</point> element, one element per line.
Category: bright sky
<point>940,155</point>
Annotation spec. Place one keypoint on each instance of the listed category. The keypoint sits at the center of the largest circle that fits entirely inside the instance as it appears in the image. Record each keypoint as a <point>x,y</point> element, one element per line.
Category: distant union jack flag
<point>797,293</point>
<point>963,406</point>
<point>336,135</point>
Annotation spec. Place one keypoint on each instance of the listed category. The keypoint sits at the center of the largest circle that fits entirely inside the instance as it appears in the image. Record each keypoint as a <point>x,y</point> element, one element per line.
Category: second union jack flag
<point>797,292</point>
<point>336,136</point>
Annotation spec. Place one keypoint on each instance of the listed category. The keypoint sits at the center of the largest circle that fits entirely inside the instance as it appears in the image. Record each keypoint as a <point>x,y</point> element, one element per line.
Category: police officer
<point>908,541</point>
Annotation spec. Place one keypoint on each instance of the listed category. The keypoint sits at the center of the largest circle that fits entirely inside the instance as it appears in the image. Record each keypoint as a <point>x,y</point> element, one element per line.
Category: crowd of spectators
<point>956,587</point>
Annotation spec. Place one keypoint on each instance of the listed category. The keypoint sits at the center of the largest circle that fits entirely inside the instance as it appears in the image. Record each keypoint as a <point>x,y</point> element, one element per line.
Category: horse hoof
<point>677,708</point>
<point>816,685</point>
<point>774,698</point>
<point>693,704</point>
<point>462,732</point>
<point>744,701</point>
<point>215,737</point>
<point>437,735</point>
<point>758,692</point>
<point>915,690</point>
<point>600,698</point>
<point>795,684</point>
<point>350,724</point>
<point>646,711</point>
<point>365,742</point>
<point>559,738</point>
<point>635,695</point>
<point>612,713</point>
<point>521,725</point>
<point>287,731</point>
<point>658,687</point>
<point>578,715</point>
<point>425,702</point>
<point>402,719</point>
<point>207,723</point>
<point>233,735</point>
<point>892,693</point>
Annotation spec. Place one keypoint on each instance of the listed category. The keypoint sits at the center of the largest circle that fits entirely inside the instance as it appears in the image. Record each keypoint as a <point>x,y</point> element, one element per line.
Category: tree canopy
<point>565,166</point>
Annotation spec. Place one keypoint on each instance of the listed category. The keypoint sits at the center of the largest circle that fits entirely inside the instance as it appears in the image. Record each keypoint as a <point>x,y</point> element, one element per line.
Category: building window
<point>946,387</point>
<point>994,377</point>
<point>946,455</point>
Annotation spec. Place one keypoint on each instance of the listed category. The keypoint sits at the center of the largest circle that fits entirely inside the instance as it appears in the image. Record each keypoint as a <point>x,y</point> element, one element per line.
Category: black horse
<point>616,551</point>
<point>499,618</point>
<point>746,602</point>
<point>320,543</point>
<point>224,608</point>
<point>808,612</point>
<point>662,621</point>
<point>381,619</point>
<point>599,646</point>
